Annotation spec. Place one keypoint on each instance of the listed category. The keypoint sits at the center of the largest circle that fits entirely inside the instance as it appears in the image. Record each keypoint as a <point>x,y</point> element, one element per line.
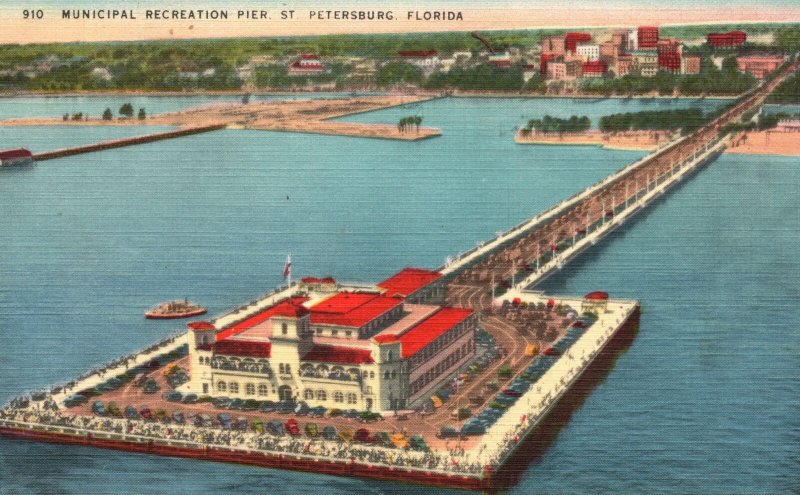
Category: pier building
<point>380,348</point>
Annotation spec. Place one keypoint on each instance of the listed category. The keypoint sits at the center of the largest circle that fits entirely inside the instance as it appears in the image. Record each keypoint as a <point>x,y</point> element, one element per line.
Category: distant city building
<point>619,39</point>
<point>759,66</point>
<point>644,63</point>
<point>544,60</point>
<point>690,64</point>
<point>647,37</point>
<point>307,64</point>
<point>500,60</point>
<point>427,60</point>
<point>17,156</point>
<point>731,39</point>
<point>669,54</point>
<point>609,49</point>
<point>633,40</point>
<point>588,51</point>
<point>553,45</point>
<point>594,68</point>
<point>623,65</point>
<point>571,41</point>
<point>565,69</point>
<point>788,125</point>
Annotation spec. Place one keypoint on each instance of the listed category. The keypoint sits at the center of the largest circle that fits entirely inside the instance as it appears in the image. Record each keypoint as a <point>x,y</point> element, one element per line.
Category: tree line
<point>549,124</point>
<point>687,119</point>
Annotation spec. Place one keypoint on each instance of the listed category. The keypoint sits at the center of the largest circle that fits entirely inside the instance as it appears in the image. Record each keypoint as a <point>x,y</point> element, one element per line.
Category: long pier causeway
<point>532,250</point>
<point>128,141</point>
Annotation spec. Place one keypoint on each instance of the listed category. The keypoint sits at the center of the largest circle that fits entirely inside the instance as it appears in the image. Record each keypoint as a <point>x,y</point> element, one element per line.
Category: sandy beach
<point>766,143</point>
<point>631,140</point>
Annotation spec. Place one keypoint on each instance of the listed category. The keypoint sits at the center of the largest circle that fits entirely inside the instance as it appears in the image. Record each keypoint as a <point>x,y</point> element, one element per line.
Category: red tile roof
<point>408,281</point>
<point>430,328</point>
<point>247,348</point>
<point>352,309</point>
<point>291,307</point>
<point>200,325</point>
<point>338,355</point>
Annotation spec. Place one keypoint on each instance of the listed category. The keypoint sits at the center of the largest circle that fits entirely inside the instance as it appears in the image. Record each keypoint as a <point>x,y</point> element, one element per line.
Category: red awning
<point>597,296</point>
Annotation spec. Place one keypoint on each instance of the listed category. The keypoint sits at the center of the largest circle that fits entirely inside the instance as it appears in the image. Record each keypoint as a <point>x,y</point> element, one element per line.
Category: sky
<point>477,15</point>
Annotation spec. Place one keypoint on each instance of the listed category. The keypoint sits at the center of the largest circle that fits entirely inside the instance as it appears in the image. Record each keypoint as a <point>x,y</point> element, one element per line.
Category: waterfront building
<point>620,40</point>
<point>647,37</point>
<point>427,60</point>
<point>690,64</point>
<point>788,125</point>
<point>500,60</point>
<point>644,63</point>
<point>18,156</point>
<point>623,65</point>
<point>553,45</point>
<point>594,68</point>
<point>572,39</point>
<point>669,54</point>
<point>588,51</point>
<point>609,50</point>
<point>731,39</point>
<point>366,348</point>
<point>759,66</point>
<point>306,64</point>
<point>544,60</point>
<point>565,69</point>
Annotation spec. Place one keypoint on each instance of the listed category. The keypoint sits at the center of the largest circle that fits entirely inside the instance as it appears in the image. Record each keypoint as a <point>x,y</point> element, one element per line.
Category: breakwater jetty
<point>122,142</point>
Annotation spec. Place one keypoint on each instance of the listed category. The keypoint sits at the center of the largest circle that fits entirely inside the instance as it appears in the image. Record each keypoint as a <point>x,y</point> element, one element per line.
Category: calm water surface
<point>704,401</point>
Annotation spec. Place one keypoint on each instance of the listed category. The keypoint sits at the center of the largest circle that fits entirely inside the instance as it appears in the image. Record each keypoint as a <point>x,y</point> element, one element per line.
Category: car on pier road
<point>221,402</point>
<point>206,421</point>
<point>473,428</point>
<point>146,413</point>
<point>267,406</point>
<point>236,404</point>
<point>131,413</point>
<point>250,405</point>
<point>276,428</point>
<point>173,396</point>
<point>177,417</point>
<point>75,400</point>
<point>241,424</point>
<point>292,427</point>
<point>448,432</point>
<point>512,393</point>
<point>98,408</point>
<point>225,421</point>
<point>151,387</point>
<point>189,399</point>
<point>329,432</point>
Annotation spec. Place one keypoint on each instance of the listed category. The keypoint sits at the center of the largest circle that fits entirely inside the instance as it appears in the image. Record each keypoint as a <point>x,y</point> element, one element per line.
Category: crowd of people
<point>46,413</point>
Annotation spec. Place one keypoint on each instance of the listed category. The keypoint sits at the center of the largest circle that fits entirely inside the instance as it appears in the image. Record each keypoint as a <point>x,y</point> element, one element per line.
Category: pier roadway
<point>525,249</point>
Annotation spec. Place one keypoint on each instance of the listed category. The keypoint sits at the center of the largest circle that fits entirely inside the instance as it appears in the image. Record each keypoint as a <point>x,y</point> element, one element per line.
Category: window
<point>394,374</point>
<point>250,389</point>
<point>348,333</point>
<point>308,394</point>
<point>288,369</point>
<point>262,389</point>
<point>233,387</point>
<point>284,328</point>
<point>284,369</point>
<point>338,397</point>
<point>221,387</point>
<point>351,398</point>
<point>334,332</point>
<point>322,395</point>
<point>390,356</point>
<point>372,374</point>
<point>386,375</point>
<point>205,388</point>
<point>281,368</point>
<point>319,330</point>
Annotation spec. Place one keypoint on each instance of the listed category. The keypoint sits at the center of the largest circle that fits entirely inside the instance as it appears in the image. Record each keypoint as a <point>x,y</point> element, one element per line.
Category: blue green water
<point>705,400</point>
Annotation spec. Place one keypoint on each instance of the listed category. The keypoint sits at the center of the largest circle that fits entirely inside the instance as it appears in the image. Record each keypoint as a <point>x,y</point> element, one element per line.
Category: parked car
<point>258,426</point>
<point>275,427</point>
<point>146,413</point>
<point>301,409</point>
<point>346,435</point>
<point>250,405</point>
<point>177,416</point>
<point>150,386</point>
<point>285,406</point>
<point>173,396</point>
<point>131,413</point>
<point>160,415</point>
<point>236,404</point>
<point>448,432</point>
<point>241,424</point>
<point>362,435</point>
<point>512,393</point>
<point>139,380</point>
<point>399,440</point>
<point>206,421</point>
<point>75,400</point>
<point>113,410</point>
<point>418,443</point>
<point>189,399</point>
<point>311,430</point>
<point>98,408</point>
<point>316,412</point>
<point>382,438</point>
<point>225,420</point>
<point>329,432</point>
<point>473,428</point>
<point>221,402</point>
<point>267,406</point>
<point>292,427</point>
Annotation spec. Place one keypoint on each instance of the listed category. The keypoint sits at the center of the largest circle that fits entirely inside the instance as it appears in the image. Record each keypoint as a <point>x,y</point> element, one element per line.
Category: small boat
<point>175,309</point>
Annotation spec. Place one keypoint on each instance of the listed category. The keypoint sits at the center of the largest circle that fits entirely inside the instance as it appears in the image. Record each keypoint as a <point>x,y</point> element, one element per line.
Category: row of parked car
<point>497,407</point>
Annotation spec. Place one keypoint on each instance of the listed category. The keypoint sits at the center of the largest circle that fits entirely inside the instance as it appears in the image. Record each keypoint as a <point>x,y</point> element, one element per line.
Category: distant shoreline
<point>241,93</point>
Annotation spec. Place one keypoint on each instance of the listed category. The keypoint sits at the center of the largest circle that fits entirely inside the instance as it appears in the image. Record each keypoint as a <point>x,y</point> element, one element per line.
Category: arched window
<point>338,397</point>
<point>221,387</point>
<point>308,394</point>
<point>351,398</point>
<point>390,356</point>
<point>284,328</point>
<point>262,389</point>
<point>233,387</point>
<point>386,375</point>
<point>322,395</point>
<point>250,389</point>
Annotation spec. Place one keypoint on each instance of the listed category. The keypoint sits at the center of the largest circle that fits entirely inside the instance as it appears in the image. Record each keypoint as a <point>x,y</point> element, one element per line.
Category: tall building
<point>572,39</point>
<point>669,54</point>
<point>644,63</point>
<point>366,348</point>
<point>690,64</point>
<point>588,51</point>
<point>553,45</point>
<point>619,39</point>
<point>647,37</point>
<point>731,39</point>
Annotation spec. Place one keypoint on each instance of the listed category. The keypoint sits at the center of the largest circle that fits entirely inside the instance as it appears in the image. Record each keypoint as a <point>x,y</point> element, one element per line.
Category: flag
<point>287,268</point>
